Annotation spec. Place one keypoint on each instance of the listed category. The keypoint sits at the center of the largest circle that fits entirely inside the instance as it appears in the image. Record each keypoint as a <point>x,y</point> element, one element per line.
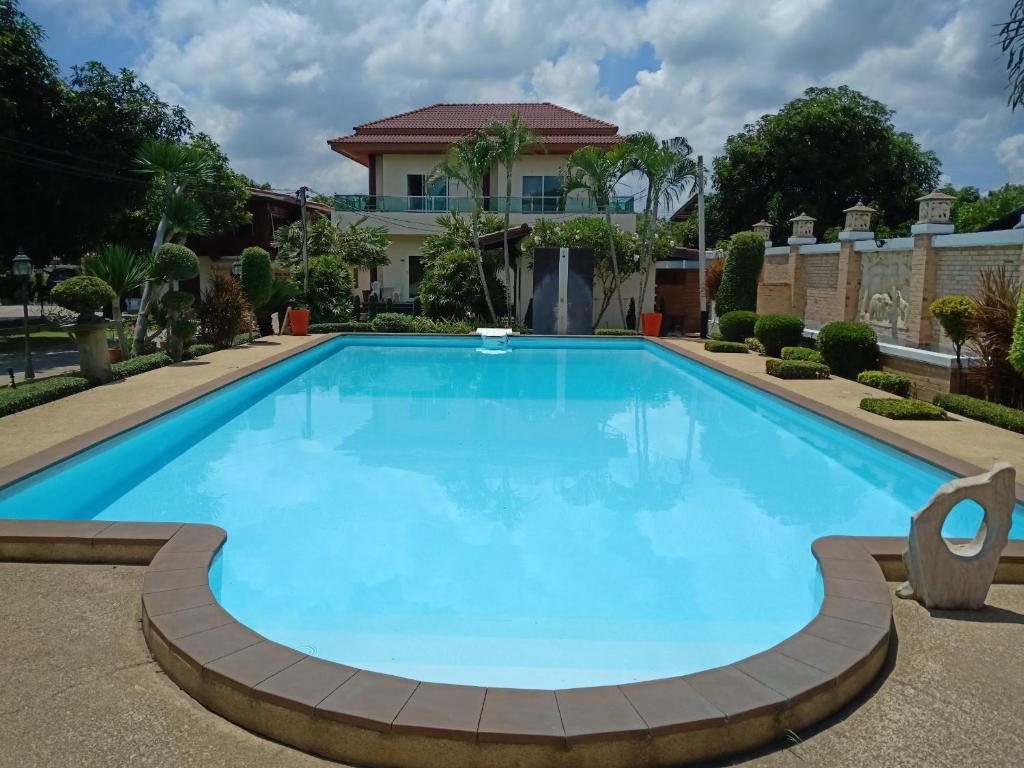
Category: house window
<point>425,194</point>
<point>541,193</point>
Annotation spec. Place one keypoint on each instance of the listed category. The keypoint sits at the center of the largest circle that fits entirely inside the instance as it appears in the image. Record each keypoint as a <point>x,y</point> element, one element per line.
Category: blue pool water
<point>570,513</point>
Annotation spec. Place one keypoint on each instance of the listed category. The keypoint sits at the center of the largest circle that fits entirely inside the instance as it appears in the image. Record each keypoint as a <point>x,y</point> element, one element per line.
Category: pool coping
<point>370,718</point>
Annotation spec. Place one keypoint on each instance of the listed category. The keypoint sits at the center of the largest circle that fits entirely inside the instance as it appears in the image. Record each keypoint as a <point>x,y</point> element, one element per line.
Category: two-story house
<point>401,152</point>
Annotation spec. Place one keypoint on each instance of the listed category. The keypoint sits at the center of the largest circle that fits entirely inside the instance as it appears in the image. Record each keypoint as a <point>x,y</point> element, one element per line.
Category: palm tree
<point>512,139</point>
<point>124,270</point>
<point>597,172</point>
<point>467,161</point>
<point>176,167</point>
<point>668,168</point>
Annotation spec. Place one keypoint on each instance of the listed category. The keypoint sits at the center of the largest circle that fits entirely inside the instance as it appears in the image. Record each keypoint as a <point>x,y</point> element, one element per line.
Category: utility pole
<point>701,258</point>
<point>305,236</point>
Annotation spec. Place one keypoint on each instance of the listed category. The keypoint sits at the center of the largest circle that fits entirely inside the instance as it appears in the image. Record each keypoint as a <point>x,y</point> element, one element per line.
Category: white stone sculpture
<point>957,576</point>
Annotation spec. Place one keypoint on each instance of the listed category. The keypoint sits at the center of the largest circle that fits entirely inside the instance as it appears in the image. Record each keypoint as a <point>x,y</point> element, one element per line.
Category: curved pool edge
<point>374,719</point>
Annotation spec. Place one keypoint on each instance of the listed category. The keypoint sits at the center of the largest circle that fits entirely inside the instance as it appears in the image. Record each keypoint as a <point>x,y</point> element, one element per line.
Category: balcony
<point>441,205</point>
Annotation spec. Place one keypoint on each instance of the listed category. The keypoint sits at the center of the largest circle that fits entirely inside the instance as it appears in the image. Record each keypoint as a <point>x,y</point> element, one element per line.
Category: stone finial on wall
<point>933,214</point>
<point>764,229</point>
<point>958,576</point>
<point>803,230</point>
<point>857,225</point>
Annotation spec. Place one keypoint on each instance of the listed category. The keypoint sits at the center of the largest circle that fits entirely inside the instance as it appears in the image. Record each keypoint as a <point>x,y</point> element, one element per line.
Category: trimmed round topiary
<point>802,353</point>
<point>393,322</point>
<point>83,294</point>
<point>174,262</point>
<point>737,325</point>
<point>257,275</point>
<point>177,301</point>
<point>848,348</point>
<point>738,289</point>
<point>778,331</point>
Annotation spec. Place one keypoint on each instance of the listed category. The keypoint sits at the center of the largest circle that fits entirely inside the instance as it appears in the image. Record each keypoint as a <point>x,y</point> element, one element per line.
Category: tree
<point>512,139</point>
<point>668,168</point>
<point>821,153</point>
<point>363,245</point>
<point>596,172</point>
<point>467,161</point>
<point>171,264</point>
<point>456,235</point>
<point>358,244</point>
<point>738,289</point>
<point>972,212</point>
<point>1011,40</point>
<point>329,297</point>
<point>450,290</point>
<point>257,278</point>
<point>123,269</point>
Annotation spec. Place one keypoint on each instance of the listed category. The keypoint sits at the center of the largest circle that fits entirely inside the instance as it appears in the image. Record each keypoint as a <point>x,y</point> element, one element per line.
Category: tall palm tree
<point>467,161</point>
<point>669,169</point>
<point>176,167</point>
<point>512,139</point>
<point>596,172</point>
<point>124,270</point>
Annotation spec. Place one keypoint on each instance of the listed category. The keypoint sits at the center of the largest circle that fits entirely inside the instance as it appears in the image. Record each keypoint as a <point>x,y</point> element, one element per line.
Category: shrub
<point>713,277</point>
<point>423,325</point>
<point>83,295</point>
<point>454,327</point>
<point>738,289</point>
<point>982,410</point>
<point>615,332</point>
<point>896,383</point>
<point>725,346</point>
<point>902,410</point>
<point>174,262</point>
<point>177,301</point>
<point>28,395</point>
<point>257,276</point>
<point>1016,356</point>
<point>848,348</point>
<point>222,311</point>
<point>754,345</point>
<point>738,325</point>
<point>450,288</point>
<point>995,314</point>
<point>140,364</point>
<point>349,327</point>
<point>802,353</point>
<point>956,316</point>
<point>198,350</point>
<point>329,298</point>
<point>778,331</point>
<point>796,369</point>
<point>393,322</point>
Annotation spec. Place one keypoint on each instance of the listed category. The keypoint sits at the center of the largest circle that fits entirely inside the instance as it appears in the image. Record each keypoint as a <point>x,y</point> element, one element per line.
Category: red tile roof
<point>430,129</point>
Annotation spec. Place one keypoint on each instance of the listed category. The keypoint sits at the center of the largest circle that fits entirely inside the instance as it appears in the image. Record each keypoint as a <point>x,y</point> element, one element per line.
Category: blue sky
<point>271,81</point>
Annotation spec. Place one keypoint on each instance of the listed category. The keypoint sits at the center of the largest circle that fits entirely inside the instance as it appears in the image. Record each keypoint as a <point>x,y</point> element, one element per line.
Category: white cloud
<point>1010,152</point>
<point>273,81</point>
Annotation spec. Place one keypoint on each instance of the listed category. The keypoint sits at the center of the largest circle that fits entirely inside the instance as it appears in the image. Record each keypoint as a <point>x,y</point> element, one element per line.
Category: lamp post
<point>22,268</point>
<point>236,267</point>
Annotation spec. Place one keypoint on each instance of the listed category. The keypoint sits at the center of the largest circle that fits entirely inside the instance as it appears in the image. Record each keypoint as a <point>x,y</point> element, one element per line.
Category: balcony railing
<point>414,204</point>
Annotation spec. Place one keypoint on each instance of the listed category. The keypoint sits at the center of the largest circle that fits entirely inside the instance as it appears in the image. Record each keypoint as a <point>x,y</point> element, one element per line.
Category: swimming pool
<point>570,513</point>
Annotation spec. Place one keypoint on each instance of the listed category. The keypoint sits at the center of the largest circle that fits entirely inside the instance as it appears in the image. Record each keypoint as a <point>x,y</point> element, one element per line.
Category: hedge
<point>802,353</point>
<point>848,348</point>
<point>725,346</point>
<point>24,396</point>
<point>737,325</point>
<point>903,410</point>
<point>615,332</point>
<point>393,322</point>
<point>896,383</point>
<point>982,410</point>
<point>349,327</point>
<point>738,289</point>
<point>778,331</point>
<point>796,369</point>
<point>141,364</point>
<point>198,350</point>
<point>754,345</point>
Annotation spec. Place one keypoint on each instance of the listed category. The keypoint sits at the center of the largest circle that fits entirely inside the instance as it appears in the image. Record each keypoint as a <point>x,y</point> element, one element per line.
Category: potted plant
<point>84,295</point>
<point>652,320</point>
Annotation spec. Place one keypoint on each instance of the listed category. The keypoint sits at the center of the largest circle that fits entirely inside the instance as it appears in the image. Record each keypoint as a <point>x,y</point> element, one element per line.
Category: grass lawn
<point>40,340</point>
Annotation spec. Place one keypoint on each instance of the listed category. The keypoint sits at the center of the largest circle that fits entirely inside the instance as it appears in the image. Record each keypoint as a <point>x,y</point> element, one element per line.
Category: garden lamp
<point>236,266</point>
<point>22,268</point>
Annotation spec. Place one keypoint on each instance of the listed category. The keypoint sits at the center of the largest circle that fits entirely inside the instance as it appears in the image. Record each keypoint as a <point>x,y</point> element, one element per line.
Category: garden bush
<point>257,276</point>
<point>140,364</point>
<point>956,316</point>
<point>222,311</point>
<point>423,325</point>
<point>754,345</point>
<point>982,410</point>
<point>198,350</point>
<point>350,327</point>
<point>329,298</point>
<point>738,325</point>
<point>177,301</point>
<point>903,410</point>
<point>796,369</point>
<point>802,353</point>
<point>174,262</point>
<point>454,327</point>
<point>896,383</point>
<point>28,395</point>
<point>778,331</point>
<point>848,348</point>
<point>738,289</point>
<point>393,322</point>
<point>83,295</point>
<point>614,332</point>
<point>725,346</point>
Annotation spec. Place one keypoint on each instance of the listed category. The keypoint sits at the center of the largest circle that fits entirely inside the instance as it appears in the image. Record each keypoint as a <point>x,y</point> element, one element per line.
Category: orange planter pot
<point>115,355</point>
<point>298,319</point>
<point>651,322</point>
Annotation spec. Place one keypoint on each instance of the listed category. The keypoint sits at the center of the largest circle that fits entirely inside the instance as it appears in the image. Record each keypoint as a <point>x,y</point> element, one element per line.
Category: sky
<point>273,80</point>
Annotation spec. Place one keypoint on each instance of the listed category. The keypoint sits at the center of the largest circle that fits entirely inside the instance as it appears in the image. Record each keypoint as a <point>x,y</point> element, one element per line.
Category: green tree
<point>329,297</point>
<point>1011,40</point>
<point>972,215</point>
<point>363,245</point>
<point>359,244</point>
<point>456,235</point>
<point>956,316</point>
<point>257,276</point>
<point>596,172</point>
<point>450,288</point>
<point>512,139</point>
<point>738,289</point>
<point>467,161</point>
<point>821,153</point>
<point>123,269</point>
